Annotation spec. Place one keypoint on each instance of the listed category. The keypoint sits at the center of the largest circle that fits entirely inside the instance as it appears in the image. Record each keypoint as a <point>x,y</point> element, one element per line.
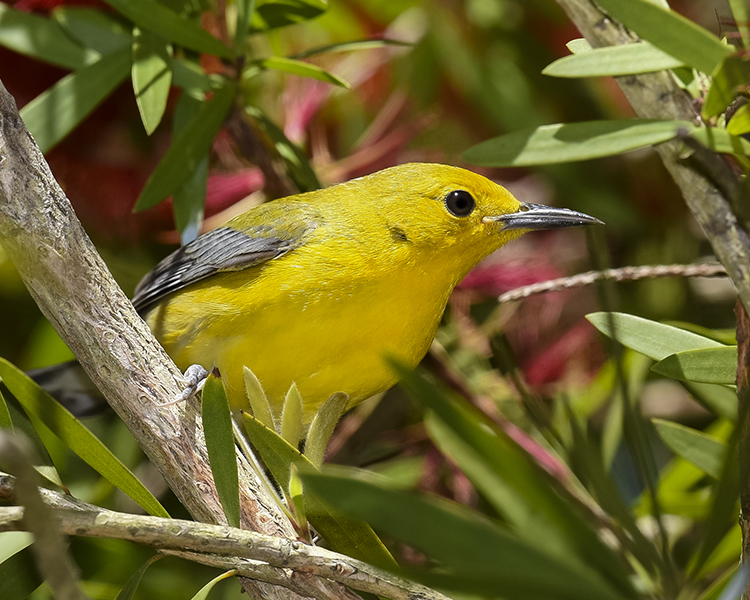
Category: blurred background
<point>473,72</point>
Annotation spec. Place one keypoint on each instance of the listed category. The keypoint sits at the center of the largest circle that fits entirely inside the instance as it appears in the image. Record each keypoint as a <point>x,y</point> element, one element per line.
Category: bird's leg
<point>195,378</point>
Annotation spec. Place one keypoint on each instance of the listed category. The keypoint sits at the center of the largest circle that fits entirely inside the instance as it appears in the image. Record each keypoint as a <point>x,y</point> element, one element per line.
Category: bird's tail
<point>69,384</point>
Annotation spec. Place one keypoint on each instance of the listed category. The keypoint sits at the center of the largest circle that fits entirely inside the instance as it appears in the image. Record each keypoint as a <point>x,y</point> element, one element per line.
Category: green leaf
<point>469,547</point>
<point>188,148</point>
<point>350,46</point>
<point>578,46</point>
<point>5,420</point>
<point>707,365</point>
<point>670,31</point>
<point>648,337</point>
<point>720,140</point>
<point>157,18</point>
<point>291,416</point>
<point>298,166</point>
<point>720,400</point>
<point>727,552</point>
<point>629,59</point>
<point>152,76</point>
<point>18,575</point>
<point>741,16</point>
<point>729,80</point>
<point>295,67</point>
<point>516,487</point>
<point>77,437</point>
<point>93,28</point>
<point>41,38</point>
<point>222,455</point>
<point>322,426</point>
<point>560,143</point>
<point>704,451</point>
<point>739,124</point>
<point>258,400</point>
<point>280,13</point>
<point>56,112</point>
<point>343,534</point>
<point>189,75</point>
<point>245,10</point>
<point>131,585</point>
<point>204,591</point>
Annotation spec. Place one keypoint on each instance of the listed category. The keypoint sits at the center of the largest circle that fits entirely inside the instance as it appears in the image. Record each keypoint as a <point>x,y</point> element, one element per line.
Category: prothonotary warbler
<point>319,288</point>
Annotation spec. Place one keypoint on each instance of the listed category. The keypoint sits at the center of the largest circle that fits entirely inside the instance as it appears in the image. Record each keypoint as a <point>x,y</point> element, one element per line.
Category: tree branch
<point>254,555</point>
<point>74,289</point>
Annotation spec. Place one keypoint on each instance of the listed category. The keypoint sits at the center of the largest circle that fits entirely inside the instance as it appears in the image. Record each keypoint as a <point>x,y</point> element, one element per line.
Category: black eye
<point>460,203</point>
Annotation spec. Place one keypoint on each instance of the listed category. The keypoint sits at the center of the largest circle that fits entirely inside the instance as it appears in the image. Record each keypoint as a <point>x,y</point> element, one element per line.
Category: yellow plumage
<point>319,288</point>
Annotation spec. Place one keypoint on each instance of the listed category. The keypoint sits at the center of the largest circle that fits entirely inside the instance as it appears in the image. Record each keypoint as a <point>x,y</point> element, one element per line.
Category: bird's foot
<point>195,378</point>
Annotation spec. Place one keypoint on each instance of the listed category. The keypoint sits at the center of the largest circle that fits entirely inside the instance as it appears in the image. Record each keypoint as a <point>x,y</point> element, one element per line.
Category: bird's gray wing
<point>223,249</point>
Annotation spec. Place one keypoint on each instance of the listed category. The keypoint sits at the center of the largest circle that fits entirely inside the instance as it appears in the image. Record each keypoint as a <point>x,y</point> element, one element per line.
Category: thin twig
<point>622,274</point>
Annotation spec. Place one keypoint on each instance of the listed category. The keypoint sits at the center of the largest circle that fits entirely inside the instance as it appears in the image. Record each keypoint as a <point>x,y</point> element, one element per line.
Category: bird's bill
<point>539,216</point>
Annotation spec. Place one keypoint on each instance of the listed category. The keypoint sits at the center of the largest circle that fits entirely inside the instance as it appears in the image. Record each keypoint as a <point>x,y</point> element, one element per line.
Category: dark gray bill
<point>539,216</point>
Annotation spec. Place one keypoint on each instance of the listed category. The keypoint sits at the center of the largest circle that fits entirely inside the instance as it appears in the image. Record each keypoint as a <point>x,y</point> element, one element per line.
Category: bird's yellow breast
<point>323,324</point>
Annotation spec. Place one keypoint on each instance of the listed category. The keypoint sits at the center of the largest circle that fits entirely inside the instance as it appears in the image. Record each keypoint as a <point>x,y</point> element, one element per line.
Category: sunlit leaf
<point>152,76</point>
<point>706,365</point>
<point>280,13</point>
<point>468,546</point>
<point>157,18</point>
<point>705,452</point>
<point>5,420</point>
<point>291,416</point>
<point>350,46</point>
<point>322,427</point>
<point>41,38</point>
<point>56,112</point>
<point>739,124</point>
<point>648,337</point>
<point>343,534</point>
<point>611,61</point>
<point>93,28</point>
<point>670,31</point>
<point>77,437</point>
<point>222,455</point>
<point>259,402</point>
<point>731,78</point>
<point>720,140</point>
<point>297,67</point>
<point>571,142</point>
<point>206,589</point>
<point>188,148</point>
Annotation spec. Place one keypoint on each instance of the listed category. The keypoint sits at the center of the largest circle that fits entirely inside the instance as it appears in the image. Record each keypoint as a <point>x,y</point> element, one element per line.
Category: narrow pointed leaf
<point>629,59</point>
<point>18,575</point>
<point>469,547</point>
<point>322,427</point>
<point>344,534</point>
<point>56,112</point>
<point>157,18</point>
<point>720,140</point>
<point>77,437</point>
<point>93,28</point>
<point>739,124</point>
<point>705,452</point>
<point>152,76</point>
<point>41,38</point>
<point>189,75</point>
<point>670,31</point>
<point>350,46</point>
<point>206,589</point>
<point>5,420</point>
<point>741,14</point>
<point>222,455</point>
<point>131,585</point>
<point>291,416</point>
<point>729,80</point>
<point>648,337</point>
<point>188,148</point>
<point>303,69</point>
<point>720,400</point>
<point>245,10</point>
<point>271,15</point>
<point>560,143</point>
<point>258,400</point>
<point>707,365</point>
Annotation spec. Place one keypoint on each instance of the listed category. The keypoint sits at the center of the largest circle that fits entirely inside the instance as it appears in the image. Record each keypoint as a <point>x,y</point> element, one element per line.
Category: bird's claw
<point>194,378</point>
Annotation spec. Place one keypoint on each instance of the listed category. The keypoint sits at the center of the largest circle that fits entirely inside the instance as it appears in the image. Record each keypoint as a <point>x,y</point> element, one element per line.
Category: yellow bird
<point>319,288</point>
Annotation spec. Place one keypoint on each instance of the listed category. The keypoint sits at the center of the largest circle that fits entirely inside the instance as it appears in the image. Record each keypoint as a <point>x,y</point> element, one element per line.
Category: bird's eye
<point>460,203</point>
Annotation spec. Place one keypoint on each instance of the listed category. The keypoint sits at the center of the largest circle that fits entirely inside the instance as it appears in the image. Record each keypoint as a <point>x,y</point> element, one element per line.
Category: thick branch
<point>706,181</point>
<point>72,286</point>
<point>221,546</point>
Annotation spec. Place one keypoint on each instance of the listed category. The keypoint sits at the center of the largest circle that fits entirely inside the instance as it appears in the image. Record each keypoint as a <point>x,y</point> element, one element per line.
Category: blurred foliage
<point>563,466</point>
